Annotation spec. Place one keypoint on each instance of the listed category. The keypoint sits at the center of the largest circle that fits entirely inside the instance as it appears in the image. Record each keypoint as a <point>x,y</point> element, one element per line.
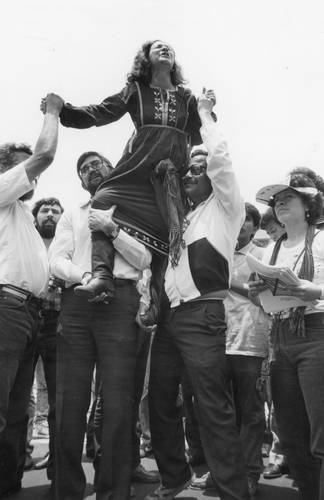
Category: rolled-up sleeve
<point>61,252</point>
<point>134,252</point>
<point>14,183</point>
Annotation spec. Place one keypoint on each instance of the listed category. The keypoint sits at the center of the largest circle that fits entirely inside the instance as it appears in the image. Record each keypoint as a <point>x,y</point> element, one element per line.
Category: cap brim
<point>265,194</point>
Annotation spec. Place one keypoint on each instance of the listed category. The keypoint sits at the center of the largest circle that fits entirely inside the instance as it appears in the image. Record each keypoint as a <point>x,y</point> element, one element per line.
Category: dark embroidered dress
<point>166,125</point>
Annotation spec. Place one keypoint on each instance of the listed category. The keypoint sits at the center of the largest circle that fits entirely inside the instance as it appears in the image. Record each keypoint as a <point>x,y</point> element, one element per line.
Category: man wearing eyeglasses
<point>191,331</point>
<point>95,332</point>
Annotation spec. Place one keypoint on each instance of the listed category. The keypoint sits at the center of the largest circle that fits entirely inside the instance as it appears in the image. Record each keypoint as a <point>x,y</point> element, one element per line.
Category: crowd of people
<point>140,313</point>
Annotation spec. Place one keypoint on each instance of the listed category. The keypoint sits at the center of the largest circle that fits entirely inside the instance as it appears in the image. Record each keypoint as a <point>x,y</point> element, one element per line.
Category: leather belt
<point>22,295</point>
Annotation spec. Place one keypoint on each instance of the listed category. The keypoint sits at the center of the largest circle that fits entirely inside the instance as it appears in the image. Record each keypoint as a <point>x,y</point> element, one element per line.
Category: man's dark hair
<point>254,213</point>
<point>198,152</point>
<point>46,201</point>
<point>7,152</point>
<point>142,72</point>
<point>267,218</point>
<point>85,155</point>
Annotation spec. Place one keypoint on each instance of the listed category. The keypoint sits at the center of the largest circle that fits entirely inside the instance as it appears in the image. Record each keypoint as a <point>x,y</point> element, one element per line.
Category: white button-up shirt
<point>70,251</point>
<point>23,255</point>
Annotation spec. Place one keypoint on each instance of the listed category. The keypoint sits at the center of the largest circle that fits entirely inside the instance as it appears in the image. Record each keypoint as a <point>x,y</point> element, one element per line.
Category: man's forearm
<point>45,148</point>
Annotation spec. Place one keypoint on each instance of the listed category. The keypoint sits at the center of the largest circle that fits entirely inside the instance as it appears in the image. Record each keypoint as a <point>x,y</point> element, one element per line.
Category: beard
<point>94,181</point>
<point>46,230</point>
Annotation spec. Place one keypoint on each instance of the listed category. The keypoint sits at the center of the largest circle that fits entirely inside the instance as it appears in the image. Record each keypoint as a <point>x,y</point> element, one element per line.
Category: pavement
<point>37,487</point>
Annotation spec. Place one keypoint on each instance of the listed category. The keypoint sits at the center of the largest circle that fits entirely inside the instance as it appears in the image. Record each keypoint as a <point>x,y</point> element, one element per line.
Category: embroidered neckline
<point>161,88</point>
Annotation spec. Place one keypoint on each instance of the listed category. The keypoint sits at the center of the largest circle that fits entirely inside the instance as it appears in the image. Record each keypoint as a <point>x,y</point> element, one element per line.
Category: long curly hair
<point>142,70</point>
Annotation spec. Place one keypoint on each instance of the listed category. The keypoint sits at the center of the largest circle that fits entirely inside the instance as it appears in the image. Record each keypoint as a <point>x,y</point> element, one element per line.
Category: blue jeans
<point>297,380</point>
<point>193,336</point>
<point>105,334</point>
<point>19,322</point>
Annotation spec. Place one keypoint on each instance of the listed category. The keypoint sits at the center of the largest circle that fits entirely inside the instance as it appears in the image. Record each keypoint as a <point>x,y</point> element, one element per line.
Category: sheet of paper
<point>277,279</point>
<point>276,303</point>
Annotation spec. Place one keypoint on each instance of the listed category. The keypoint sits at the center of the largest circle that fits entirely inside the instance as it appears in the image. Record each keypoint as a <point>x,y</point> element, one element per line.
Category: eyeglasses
<point>197,169</point>
<point>94,164</point>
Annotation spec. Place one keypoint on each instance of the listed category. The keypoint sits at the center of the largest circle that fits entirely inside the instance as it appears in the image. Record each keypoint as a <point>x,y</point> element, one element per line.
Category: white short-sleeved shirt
<point>23,255</point>
<point>288,256</point>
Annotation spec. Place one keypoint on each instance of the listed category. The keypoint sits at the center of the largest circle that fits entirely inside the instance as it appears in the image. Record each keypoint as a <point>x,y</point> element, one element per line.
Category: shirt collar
<point>245,250</point>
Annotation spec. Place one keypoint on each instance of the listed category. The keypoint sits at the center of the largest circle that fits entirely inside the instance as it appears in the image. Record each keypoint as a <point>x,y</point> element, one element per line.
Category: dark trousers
<point>106,334</point>
<point>193,335</point>
<point>46,350</point>
<point>244,375</point>
<point>19,323</point>
<point>143,346</point>
<point>297,380</point>
<point>191,422</point>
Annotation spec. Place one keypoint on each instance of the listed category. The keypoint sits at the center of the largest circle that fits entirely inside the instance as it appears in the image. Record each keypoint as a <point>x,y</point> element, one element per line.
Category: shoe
<point>141,475</point>
<point>42,463</point>
<point>95,287</point>
<point>29,462</point>
<point>272,471</point>
<point>10,491</point>
<point>253,485</point>
<point>146,449</point>
<point>163,493</point>
<point>204,482</point>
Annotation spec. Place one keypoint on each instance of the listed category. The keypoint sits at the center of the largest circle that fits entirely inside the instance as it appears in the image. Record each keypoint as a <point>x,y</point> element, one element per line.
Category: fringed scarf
<point>175,207</point>
<point>306,272</point>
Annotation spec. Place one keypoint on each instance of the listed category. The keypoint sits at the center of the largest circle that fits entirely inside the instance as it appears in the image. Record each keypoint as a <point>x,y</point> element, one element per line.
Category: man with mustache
<point>23,283</point>
<point>47,213</point>
<point>96,333</point>
<point>191,330</point>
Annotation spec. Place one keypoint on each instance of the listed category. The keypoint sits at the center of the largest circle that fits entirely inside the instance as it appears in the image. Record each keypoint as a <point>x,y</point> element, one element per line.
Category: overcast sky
<point>265,61</point>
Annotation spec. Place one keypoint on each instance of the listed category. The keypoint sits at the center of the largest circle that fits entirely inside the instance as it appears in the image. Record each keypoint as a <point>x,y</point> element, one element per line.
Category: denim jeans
<point>105,334</point>
<point>244,373</point>
<point>193,336</point>
<point>19,322</point>
<point>297,379</point>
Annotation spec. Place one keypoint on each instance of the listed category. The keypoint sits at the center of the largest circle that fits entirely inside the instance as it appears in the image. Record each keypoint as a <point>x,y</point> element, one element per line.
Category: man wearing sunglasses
<point>191,331</point>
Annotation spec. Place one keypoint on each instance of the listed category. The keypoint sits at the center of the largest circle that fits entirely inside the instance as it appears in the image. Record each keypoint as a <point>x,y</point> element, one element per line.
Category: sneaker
<point>163,493</point>
<point>204,482</point>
